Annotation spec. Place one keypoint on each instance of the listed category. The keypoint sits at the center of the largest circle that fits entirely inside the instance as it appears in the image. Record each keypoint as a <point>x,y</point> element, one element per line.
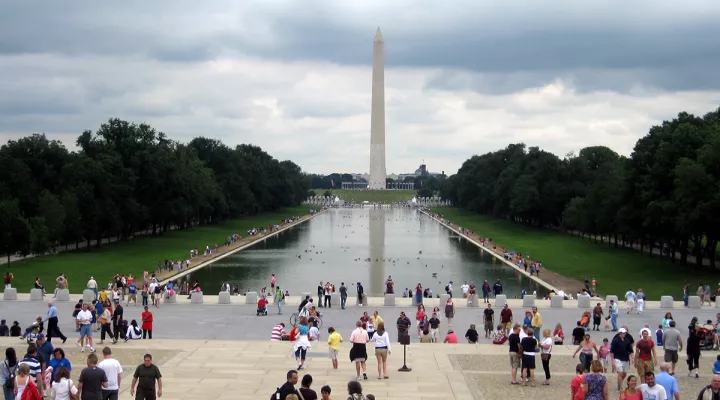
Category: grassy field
<point>142,254</point>
<point>374,196</point>
<point>616,270</point>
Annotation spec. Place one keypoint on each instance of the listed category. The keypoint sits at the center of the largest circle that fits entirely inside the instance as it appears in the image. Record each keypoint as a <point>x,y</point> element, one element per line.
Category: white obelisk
<point>377,115</point>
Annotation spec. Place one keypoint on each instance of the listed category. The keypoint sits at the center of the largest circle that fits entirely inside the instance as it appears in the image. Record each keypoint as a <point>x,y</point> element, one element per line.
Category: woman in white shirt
<point>545,353</point>
<point>62,385</point>
<point>133,332</point>
<point>382,349</point>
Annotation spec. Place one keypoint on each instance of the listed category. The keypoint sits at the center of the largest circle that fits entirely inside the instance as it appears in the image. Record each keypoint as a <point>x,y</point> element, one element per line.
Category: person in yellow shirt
<point>334,341</point>
<point>375,319</point>
<point>103,296</point>
<point>536,322</point>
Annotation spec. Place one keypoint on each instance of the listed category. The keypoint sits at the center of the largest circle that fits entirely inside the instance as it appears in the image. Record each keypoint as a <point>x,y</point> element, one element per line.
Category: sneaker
<point>82,349</point>
<point>78,344</point>
<point>689,374</point>
<point>92,349</point>
<point>697,376</point>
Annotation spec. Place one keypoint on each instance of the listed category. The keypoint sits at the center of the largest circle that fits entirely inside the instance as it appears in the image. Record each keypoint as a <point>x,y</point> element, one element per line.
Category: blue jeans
<point>319,304</point>
<point>300,353</point>
<point>418,297</point>
<point>8,392</point>
<point>279,305</point>
<point>536,331</point>
<point>343,300</point>
<point>613,319</point>
<point>685,299</point>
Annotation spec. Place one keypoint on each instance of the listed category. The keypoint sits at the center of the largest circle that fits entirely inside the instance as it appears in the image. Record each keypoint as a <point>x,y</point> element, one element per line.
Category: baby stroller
<point>262,307</point>
<point>33,330</point>
<point>706,333</point>
<point>585,319</point>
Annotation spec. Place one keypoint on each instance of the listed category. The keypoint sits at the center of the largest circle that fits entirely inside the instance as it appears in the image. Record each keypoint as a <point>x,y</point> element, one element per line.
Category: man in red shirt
<point>645,354</point>
<point>506,318</point>
<point>262,303</point>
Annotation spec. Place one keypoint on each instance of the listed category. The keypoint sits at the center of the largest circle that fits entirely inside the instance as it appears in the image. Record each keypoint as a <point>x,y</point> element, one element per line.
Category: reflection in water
<point>377,250</point>
<point>366,245</point>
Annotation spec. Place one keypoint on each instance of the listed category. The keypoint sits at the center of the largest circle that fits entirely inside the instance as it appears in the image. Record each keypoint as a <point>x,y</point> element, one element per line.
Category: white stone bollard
<point>389,300</point>
<point>36,295</point>
<point>667,302</point>
<point>364,300</point>
<point>335,299</point>
<point>694,302</point>
<point>475,302</point>
<point>88,296</point>
<point>171,299</point>
<point>500,300</point>
<point>224,298</point>
<point>528,300</point>
<point>584,301</point>
<point>251,298</point>
<point>62,295</point>
<point>556,302</point>
<point>611,297</point>
<point>444,299</point>
<point>10,294</point>
<point>196,298</point>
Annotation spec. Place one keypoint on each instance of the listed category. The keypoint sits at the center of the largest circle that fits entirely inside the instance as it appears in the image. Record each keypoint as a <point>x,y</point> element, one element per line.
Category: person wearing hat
<point>45,348</point>
<point>450,337</point>
<point>620,355</point>
<point>92,285</point>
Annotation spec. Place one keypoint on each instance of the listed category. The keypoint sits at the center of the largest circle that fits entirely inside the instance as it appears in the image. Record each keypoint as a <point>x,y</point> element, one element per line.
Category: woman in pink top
<point>419,316</point>
<point>358,353</point>
<point>576,383</point>
<point>451,337</point>
<point>631,393</point>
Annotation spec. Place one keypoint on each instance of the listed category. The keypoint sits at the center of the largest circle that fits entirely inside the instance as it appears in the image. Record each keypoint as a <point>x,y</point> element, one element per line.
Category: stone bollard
<point>475,302</point>
<point>414,301</point>
<point>528,300</point>
<point>364,300</point>
<point>62,295</point>
<point>584,301</point>
<point>251,298</point>
<point>667,302</point>
<point>10,294</point>
<point>335,299</point>
<point>444,299</point>
<point>88,296</point>
<point>224,298</point>
<point>36,294</point>
<point>556,302</point>
<point>694,302</point>
<point>500,300</point>
<point>389,300</point>
<point>171,299</point>
<point>196,298</point>
<point>612,297</point>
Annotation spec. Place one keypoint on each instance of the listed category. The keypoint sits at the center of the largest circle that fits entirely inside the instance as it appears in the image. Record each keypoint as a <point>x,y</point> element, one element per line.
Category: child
<point>607,324</point>
<point>4,329</point>
<point>35,328</point>
<point>603,354</point>
<point>334,341</point>
<point>716,366</point>
<point>15,329</point>
<point>658,335</point>
<point>325,392</point>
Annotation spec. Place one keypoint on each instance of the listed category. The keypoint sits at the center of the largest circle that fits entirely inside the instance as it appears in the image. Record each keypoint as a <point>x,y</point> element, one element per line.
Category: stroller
<point>33,330</point>
<point>585,319</point>
<point>706,334</point>
<point>262,307</point>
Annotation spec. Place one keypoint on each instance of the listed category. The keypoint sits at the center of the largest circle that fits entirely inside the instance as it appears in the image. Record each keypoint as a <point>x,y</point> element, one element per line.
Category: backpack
<point>276,395</point>
<point>447,288</point>
<point>10,382</point>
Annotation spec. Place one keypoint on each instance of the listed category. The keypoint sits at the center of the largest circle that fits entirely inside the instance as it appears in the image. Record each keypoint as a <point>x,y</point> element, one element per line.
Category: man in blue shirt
<point>52,320</point>
<point>132,294</point>
<point>45,349</point>
<point>667,381</point>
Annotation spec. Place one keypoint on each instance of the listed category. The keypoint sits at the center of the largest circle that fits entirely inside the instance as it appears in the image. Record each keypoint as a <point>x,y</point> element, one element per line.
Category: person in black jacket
<point>693,352</point>
<point>289,386</point>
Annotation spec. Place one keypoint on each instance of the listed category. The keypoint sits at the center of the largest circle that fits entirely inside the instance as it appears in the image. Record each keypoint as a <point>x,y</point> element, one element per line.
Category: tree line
<point>665,196</point>
<point>126,178</point>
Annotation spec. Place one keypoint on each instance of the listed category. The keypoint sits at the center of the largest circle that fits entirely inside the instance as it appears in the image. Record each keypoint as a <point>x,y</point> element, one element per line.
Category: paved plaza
<point>223,351</point>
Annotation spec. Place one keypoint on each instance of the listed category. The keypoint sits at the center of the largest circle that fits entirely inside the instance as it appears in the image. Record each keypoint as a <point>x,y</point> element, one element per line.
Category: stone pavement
<point>239,370</point>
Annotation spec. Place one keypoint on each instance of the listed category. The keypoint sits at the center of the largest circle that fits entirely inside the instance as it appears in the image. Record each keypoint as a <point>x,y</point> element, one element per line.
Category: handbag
<point>70,395</point>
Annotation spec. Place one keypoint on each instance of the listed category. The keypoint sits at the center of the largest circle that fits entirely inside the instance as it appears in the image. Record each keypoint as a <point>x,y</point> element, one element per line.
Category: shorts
<point>381,353</point>
<point>488,325</point>
<point>333,353</point>
<point>644,366</point>
<point>528,362</point>
<point>671,356</point>
<point>132,297</point>
<point>514,360</point>
<point>622,366</point>
<point>507,325</point>
<point>86,331</point>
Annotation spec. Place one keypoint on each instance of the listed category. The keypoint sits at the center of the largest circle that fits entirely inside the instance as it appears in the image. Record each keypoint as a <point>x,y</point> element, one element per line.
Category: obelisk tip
<point>378,35</point>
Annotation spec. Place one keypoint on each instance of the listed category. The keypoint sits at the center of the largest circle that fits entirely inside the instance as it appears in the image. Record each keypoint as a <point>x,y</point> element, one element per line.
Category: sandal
<point>386,377</point>
<point>514,383</point>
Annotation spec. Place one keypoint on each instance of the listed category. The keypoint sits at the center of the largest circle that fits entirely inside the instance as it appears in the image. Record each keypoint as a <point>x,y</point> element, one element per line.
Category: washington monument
<point>377,115</point>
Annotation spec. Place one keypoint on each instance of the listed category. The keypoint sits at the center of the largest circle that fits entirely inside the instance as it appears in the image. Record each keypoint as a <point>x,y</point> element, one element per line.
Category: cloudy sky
<point>462,77</point>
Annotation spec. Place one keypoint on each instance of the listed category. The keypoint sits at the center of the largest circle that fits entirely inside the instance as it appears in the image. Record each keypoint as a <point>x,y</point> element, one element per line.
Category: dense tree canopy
<point>667,194</point>
<point>127,178</point>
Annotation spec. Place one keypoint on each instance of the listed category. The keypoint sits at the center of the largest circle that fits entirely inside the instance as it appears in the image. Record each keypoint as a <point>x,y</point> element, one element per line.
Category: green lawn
<point>142,254</point>
<point>373,196</point>
<point>616,270</point>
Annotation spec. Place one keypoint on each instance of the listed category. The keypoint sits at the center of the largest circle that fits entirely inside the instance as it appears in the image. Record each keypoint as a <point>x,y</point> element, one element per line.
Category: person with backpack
<point>279,298</point>
<point>8,371</point>
<point>287,388</point>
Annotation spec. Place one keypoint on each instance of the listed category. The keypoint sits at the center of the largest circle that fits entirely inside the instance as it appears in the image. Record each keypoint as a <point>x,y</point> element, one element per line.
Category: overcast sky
<point>293,77</point>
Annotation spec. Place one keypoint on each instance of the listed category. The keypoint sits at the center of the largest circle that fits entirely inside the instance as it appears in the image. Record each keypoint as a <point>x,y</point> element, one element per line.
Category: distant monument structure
<point>377,116</point>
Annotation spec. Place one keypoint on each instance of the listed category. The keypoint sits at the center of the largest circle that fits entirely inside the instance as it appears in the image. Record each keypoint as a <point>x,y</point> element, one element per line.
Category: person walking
<point>488,320</point>
<point>105,320</point>
<point>711,391</point>
<point>279,298</point>
<point>693,352</point>
<point>645,356</point>
<point>84,319</point>
<point>8,372</point>
<point>650,389</point>
<point>449,311</point>
<point>302,343</point>
<point>113,372</point>
<point>382,349</point>
<point>595,385</point>
<point>614,313</point>
<point>358,353</point>
<point>403,326</point>
<point>515,364</point>
<point>147,323</point>
<point>305,392</point>
<point>360,293</point>
<point>597,317</point>
<point>586,348</point>
<point>620,351</point>
<point>52,320</point>
<point>668,382</point>
<point>545,353</point>
<point>631,392</point>
<point>62,385</point>
<point>343,295</point>
<point>92,380</point>
<point>577,382</point>
<point>672,344</point>
<point>320,293</point>
<point>334,340</point>
<point>146,374</point>
<point>506,318</point>
<point>117,321</point>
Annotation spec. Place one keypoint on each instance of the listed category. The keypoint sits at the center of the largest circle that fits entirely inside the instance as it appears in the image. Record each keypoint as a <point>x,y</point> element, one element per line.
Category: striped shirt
<point>277,333</point>
<point>33,364</point>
